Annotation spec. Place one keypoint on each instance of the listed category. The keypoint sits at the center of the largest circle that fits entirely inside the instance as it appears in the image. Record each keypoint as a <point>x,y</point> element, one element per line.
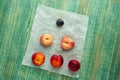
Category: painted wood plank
<point>101,58</point>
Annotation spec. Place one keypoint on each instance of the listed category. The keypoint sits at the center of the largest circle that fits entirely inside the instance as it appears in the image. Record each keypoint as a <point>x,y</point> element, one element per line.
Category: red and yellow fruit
<point>67,43</point>
<point>38,58</point>
<point>46,40</point>
<point>56,60</point>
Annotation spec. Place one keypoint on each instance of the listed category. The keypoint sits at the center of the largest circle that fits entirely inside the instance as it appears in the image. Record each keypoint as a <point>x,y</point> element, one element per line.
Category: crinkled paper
<point>75,26</point>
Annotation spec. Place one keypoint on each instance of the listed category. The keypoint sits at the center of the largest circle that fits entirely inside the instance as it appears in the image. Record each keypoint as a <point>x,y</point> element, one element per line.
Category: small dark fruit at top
<point>60,22</point>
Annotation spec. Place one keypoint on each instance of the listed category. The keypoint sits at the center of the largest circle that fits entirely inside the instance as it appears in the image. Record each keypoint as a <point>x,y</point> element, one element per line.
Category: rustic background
<point>101,57</point>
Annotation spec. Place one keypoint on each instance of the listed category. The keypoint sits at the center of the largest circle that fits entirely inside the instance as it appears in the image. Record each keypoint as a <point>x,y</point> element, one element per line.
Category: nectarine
<point>38,58</point>
<point>56,60</point>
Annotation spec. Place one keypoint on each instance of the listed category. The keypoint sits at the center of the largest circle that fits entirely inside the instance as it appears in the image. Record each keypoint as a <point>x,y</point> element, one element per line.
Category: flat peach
<point>46,40</point>
<point>67,43</point>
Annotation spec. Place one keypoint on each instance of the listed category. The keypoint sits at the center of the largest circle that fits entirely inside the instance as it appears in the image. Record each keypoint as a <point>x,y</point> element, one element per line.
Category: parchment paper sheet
<point>45,22</point>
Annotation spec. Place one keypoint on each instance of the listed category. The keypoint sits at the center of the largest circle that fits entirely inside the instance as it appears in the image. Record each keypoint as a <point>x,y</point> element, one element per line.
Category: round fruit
<point>38,58</point>
<point>67,43</point>
<point>59,22</point>
<point>46,40</point>
<point>74,65</point>
<point>56,60</point>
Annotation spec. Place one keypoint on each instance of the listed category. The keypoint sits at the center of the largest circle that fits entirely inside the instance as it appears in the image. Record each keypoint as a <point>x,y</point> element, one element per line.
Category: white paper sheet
<point>75,26</point>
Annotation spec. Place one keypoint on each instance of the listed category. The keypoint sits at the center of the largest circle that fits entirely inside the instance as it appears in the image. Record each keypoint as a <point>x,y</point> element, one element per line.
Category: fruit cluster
<point>56,60</point>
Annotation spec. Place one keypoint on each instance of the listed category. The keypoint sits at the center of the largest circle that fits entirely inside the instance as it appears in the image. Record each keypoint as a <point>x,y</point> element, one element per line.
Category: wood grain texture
<point>101,57</point>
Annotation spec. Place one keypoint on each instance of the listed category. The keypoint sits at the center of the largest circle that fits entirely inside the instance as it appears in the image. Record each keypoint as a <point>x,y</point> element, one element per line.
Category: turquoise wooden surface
<point>101,57</point>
